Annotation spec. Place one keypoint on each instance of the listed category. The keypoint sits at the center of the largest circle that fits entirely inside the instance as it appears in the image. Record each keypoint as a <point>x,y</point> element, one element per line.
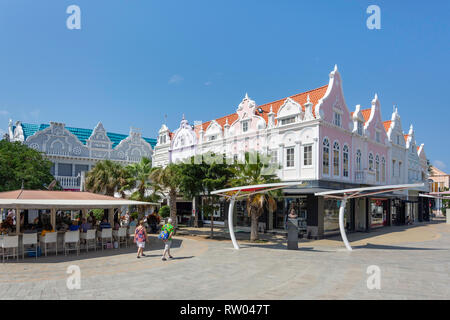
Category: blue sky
<point>134,61</point>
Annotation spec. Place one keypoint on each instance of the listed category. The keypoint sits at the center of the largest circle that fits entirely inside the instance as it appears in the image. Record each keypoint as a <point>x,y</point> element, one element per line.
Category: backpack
<point>164,235</point>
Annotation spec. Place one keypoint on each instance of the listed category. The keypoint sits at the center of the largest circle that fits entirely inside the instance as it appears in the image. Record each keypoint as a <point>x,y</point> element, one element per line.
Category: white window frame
<point>245,124</point>
<point>337,119</point>
<point>307,155</point>
<point>360,127</point>
<point>290,161</point>
<point>288,120</point>
<point>325,145</point>
<point>371,162</point>
<point>336,148</point>
<point>345,152</point>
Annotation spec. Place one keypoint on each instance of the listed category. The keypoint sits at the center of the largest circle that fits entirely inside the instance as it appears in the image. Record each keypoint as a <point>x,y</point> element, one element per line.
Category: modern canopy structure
<point>346,194</point>
<point>245,191</point>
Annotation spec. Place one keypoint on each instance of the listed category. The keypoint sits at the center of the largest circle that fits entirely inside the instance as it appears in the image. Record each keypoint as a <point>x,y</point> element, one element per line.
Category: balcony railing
<point>69,182</point>
<point>359,176</point>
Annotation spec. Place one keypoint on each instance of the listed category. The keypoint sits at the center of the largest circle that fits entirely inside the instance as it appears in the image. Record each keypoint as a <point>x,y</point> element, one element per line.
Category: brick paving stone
<point>414,265</point>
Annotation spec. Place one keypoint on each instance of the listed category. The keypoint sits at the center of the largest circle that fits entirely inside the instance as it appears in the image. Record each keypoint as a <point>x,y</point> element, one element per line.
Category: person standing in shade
<point>168,227</point>
<point>140,237</point>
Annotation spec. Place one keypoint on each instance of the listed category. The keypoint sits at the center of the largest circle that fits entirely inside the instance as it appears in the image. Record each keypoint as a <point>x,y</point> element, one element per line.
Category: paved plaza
<point>414,262</point>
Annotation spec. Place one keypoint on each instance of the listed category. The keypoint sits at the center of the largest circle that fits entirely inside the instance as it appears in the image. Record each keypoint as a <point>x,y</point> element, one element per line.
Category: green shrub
<point>164,212</point>
<point>135,215</point>
<point>98,214</point>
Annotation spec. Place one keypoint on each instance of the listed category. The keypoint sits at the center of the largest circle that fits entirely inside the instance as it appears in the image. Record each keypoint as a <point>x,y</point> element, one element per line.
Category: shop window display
<point>331,215</point>
<point>378,214</point>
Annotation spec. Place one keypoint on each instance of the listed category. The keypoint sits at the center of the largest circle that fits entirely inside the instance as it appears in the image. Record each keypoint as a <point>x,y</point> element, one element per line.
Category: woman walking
<point>140,237</point>
<point>168,228</point>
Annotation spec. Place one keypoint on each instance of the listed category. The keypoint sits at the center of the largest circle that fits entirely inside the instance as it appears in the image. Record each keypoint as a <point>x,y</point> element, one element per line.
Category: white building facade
<point>315,139</point>
<point>76,150</point>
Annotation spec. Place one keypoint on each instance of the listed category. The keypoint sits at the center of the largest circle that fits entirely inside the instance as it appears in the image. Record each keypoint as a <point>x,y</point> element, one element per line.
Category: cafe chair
<point>30,239</point>
<point>50,237</point>
<point>131,231</point>
<point>106,233</point>
<point>89,236</point>
<point>72,237</point>
<point>8,243</point>
<point>121,235</point>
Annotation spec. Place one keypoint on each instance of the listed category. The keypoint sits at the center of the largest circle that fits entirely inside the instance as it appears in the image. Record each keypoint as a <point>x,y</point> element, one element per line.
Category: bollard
<point>292,238</point>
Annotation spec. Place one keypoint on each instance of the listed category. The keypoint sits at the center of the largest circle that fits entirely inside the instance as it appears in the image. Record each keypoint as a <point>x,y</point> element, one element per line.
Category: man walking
<point>168,227</point>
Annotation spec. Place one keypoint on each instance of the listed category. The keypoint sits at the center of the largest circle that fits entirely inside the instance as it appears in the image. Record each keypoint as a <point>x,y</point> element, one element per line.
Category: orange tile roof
<point>53,195</point>
<point>387,125</point>
<point>315,95</point>
<point>366,114</point>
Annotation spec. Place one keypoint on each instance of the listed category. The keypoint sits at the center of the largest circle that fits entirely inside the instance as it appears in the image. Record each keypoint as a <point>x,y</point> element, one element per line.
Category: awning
<point>43,199</point>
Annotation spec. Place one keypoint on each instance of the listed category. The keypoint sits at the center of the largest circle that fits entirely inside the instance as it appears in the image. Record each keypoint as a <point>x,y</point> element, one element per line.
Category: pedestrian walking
<point>140,237</point>
<point>167,239</point>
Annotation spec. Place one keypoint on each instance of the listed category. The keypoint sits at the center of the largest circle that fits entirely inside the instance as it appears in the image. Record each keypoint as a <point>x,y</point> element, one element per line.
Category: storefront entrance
<point>378,212</point>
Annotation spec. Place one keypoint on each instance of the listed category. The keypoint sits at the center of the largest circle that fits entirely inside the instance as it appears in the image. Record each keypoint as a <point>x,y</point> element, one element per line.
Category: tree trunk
<point>173,207</point>
<point>212,225</point>
<point>254,227</point>
<point>196,206</point>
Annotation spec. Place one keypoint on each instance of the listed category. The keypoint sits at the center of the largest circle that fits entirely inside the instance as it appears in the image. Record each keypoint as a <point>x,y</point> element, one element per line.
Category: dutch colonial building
<point>75,150</point>
<point>316,139</point>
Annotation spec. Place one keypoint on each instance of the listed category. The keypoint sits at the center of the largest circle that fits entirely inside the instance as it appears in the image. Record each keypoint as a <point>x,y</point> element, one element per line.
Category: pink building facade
<point>314,137</point>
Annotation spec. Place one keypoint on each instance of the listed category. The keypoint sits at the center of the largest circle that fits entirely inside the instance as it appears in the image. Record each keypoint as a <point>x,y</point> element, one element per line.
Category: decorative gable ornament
<point>308,110</point>
<point>99,138</point>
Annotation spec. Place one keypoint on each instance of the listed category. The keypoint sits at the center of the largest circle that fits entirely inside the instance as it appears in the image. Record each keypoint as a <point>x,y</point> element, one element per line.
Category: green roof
<point>82,134</point>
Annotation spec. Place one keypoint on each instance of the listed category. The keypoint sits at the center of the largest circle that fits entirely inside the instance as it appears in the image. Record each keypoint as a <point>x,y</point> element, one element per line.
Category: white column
<point>298,160</point>
<point>281,159</point>
<point>230,223</point>
<point>341,224</point>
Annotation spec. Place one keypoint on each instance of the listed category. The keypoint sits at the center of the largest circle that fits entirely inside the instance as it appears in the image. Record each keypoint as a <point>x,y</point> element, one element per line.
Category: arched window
<point>358,160</point>
<point>345,161</point>
<point>370,162</point>
<point>377,168</point>
<point>383,170</point>
<point>326,157</point>
<point>336,158</point>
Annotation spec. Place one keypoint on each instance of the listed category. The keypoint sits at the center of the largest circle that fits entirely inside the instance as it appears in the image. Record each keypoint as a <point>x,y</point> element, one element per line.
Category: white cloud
<point>439,164</point>
<point>4,113</point>
<point>208,83</point>
<point>176,78</point>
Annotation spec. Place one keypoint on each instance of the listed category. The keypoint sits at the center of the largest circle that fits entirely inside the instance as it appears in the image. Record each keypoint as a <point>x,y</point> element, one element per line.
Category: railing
<point>69,182</point>
<point>359,176</point>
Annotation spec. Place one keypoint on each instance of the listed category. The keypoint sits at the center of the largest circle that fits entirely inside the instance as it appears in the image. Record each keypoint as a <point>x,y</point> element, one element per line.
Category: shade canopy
<point>43,199</point>
<point>367,191</point>
<point>243,191</point>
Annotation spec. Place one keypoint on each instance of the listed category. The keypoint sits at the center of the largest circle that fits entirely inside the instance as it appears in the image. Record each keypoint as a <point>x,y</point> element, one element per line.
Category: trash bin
<point>292,237</point>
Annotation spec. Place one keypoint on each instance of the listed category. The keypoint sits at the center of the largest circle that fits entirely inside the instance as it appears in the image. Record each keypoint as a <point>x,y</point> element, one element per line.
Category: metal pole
<point>341,224</point>
<point>230,222</point>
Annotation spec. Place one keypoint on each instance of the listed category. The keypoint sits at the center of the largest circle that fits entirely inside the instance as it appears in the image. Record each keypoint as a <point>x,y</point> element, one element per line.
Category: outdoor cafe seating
<point>17,237</point>
<point>72,237</point>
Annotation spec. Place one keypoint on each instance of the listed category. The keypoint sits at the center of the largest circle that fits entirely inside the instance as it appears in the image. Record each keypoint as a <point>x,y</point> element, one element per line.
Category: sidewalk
<point>417,232</point>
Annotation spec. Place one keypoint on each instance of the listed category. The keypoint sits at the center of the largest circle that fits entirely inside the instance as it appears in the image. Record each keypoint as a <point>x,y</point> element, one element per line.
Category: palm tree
<point>138,181</point>
<point>106,177</point>
<point>256,170</point>
<point>166,181</point>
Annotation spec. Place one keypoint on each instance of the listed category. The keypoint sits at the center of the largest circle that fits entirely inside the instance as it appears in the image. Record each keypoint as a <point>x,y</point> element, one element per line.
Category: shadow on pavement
<point>390,247</point>
<point>153,245</point>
